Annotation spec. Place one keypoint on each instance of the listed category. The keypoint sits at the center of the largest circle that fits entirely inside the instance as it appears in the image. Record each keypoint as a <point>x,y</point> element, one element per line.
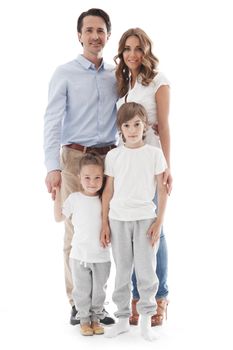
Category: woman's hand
<point>167,180</point>
<point>155,127</point>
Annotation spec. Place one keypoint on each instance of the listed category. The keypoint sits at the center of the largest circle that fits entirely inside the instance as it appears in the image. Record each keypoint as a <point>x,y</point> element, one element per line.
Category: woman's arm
<point>162,98</point>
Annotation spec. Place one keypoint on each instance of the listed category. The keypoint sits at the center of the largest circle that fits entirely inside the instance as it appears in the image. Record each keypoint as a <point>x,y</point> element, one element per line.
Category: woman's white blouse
<point>145,95</point>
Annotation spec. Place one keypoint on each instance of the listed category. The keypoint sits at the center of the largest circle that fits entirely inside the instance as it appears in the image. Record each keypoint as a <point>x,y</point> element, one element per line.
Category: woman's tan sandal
<point>161,312</point>
<point>133,319</point>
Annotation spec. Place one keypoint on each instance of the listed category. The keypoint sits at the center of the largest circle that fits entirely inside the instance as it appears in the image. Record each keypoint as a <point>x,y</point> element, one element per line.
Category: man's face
<point>93,36</point>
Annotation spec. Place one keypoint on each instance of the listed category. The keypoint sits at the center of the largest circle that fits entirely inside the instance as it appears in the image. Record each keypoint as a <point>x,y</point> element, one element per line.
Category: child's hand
<point>55,191</point>
<point>105,236</point>
<point>58,215</point>
<point>154,232</point>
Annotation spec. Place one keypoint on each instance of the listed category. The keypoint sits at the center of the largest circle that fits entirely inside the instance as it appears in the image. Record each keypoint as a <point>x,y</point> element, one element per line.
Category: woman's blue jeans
<point>161,269</point>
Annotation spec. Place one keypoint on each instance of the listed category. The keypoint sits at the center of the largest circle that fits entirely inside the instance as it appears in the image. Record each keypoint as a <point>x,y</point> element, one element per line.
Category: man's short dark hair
<point>94,12</point>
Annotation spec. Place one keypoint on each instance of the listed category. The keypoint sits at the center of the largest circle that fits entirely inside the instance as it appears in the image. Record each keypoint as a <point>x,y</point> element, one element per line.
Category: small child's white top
<point>134,171</point>
<point>85,212</point>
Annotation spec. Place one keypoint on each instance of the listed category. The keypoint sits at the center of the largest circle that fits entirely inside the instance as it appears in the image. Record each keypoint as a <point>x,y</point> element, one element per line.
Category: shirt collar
<point>88,64</point>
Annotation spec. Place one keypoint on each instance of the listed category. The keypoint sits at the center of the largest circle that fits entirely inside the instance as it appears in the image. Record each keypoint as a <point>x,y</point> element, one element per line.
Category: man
<point>81,116</point>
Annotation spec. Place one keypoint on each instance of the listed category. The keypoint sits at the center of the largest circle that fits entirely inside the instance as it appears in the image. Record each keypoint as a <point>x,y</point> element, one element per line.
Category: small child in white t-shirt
<point>133,170</point>
<point>89,261</point>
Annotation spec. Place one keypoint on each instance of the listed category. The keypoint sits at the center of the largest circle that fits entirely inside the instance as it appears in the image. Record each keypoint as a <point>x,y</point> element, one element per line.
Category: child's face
<point>133,132</point>
<point>91,178</point>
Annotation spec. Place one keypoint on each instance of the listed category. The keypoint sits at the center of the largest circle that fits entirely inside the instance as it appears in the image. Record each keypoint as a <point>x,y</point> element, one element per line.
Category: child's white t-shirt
<point>85,212</point>
<point>134,171</point>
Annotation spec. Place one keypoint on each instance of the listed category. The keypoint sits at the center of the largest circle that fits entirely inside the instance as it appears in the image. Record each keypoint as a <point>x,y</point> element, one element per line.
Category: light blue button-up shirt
<point>81,108</point>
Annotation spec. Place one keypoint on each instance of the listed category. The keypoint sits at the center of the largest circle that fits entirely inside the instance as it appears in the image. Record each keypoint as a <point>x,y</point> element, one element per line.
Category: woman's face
<point>133,54</point>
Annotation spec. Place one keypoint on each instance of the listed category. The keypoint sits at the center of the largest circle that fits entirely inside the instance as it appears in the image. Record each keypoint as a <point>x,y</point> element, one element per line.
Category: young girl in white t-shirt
<point>89,261</point>
<point>133,170</point>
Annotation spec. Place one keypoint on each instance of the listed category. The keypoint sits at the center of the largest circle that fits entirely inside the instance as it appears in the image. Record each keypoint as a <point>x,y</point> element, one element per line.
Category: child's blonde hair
<point>91,158</point>
<point>128,111</point>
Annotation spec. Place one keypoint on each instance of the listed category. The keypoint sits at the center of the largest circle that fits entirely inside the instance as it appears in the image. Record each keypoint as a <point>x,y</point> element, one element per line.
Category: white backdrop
<point>193,41</point>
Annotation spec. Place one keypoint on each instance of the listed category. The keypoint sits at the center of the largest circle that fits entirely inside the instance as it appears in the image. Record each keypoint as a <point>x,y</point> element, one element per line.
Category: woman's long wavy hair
<point>149,62</point>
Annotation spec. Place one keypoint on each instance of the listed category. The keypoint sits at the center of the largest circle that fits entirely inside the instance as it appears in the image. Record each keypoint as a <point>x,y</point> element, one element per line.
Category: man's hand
<point>53,180</point>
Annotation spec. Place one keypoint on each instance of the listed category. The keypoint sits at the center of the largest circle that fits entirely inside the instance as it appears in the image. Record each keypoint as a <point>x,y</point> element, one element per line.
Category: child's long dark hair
<point>93,158</point>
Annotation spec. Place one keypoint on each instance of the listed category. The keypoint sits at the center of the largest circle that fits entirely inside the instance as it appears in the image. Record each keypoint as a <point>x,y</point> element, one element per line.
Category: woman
<point>138,80</point>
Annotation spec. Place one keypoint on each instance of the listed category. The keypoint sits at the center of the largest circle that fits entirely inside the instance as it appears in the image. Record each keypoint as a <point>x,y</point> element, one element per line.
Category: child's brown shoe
<point>97,328</point>
<point>86,329</point>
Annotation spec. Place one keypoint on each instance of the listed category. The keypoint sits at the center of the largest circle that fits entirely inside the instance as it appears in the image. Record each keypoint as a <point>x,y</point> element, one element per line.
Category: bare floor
<point>47,327</point>
<point>44,324</point>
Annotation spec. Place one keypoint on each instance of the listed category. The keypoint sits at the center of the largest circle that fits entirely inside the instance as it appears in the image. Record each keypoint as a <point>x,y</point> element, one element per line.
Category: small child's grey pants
<point>89,292</point>
<point>131,246</point>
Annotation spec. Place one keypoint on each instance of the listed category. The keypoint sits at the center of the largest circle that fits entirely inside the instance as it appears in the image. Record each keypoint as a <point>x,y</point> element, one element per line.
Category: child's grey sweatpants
<point>131,246</point>
<point>89,292</point>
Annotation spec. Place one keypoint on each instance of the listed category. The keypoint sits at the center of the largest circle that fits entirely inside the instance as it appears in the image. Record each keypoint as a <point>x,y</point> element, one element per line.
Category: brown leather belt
<point>100,150</point>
